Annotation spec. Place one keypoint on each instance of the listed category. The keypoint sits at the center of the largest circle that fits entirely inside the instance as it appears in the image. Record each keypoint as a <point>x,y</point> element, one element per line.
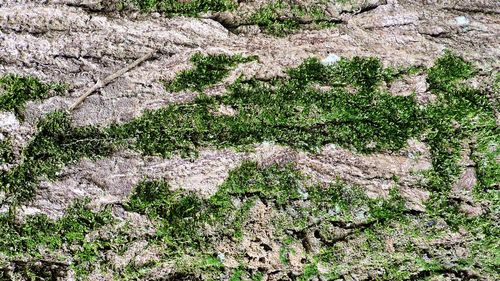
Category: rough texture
<point>79,42</point>
<point>110,180</point>
<point>72,45</point>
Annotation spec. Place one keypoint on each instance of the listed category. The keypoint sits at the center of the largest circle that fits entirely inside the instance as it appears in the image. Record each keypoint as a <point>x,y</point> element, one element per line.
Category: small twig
<point>101,83</point>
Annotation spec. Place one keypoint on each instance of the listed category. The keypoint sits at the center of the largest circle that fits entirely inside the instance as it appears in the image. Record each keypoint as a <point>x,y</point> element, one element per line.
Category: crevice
<point>463,274</point>
<point>48,269</point>
<point>68,56</point>
<point>390,26</point>
<point>231,26</point>
<point>361,10</point>
<point>470,10</point>
<point>442,34</point>
<point>27,31</point>
<point>345,237</point>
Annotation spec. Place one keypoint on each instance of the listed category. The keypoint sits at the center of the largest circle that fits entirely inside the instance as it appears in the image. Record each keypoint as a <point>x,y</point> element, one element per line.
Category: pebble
<point>462,21</point>
<point>8,121</point>
<point>221,257</point>
<point>330,59</point>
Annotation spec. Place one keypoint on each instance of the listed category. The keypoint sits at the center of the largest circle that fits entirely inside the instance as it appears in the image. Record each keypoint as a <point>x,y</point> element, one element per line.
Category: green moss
<point>349,110</point>
<point>185,8</point>
<point>258,276</point>
<point>388,209</point>
<point>57,143</point>
<point>134,272</point>
<point>39,237</point>
<point>460,115</point>
<point>286,111</point>
<point>182,218</point>
<point>280,18</point>
<point>310,271</point>
<point>486,152</point>
<point>16,91</point>
<point>484,255</point>
<point>363,73</point>
<point>6,153</point>
<point>448,69</point>
<point>268,18</point>
<point>277,18</point>
<point>237,275</point>
<point>391,74</point>
<point>241,217</point>
<point>208,70</point>
<point>241,274</point>
<point>289,111</point>
<point>463,117</point>
<point>179,215</point>
<point>275,183</point>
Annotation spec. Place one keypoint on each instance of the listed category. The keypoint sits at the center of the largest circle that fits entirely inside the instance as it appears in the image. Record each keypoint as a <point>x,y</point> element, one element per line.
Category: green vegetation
<point>315,105</point>
<point>207,71</point>
<point>15,91</point>
<point>277,18</point>
<point>185,7</point>
<point>179,214</point>
<point>486,152</point>
<point>57,143</point>
<point>181,217</point>
<point>6,153</point>
<point>459,116</point>
<point>352,112</point>
<point>286,111</point>
<point>181,220</point>
<point>280,18</point>
<point>39,237</point>
<point>463,117</point>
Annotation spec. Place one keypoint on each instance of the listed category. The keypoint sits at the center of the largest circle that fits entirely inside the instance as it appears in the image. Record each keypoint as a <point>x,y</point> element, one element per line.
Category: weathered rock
<point>64,41</point>
<point>78,42</point>
<point>110,180</point>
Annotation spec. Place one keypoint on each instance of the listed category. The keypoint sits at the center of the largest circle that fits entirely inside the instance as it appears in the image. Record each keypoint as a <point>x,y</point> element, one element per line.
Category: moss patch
<point>16,90</point>
<point>352,231</point>
<point>315,105</point>
<point>292,111</point>
<point>461,116</point>
<point>280,18</point>
<point>180,214</point>
<point>184,8</point>
<point>57,143</point>
<point>208,70</point>
<point>6,153</point>
<point>38,237</point>
<point>190,228</point>
<point>287,111</point>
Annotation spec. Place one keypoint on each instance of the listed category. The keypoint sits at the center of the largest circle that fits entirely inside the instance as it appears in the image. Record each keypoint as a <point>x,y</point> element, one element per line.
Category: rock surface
<point>79,42</point>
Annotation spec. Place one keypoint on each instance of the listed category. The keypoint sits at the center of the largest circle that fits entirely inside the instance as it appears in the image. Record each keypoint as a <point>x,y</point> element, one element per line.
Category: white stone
<point>462,21</point>
<point>330,59</point>
<point>8,121</point>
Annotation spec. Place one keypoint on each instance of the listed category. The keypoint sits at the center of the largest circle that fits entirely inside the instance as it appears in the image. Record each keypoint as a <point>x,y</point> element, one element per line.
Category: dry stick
<point>101,83</point>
